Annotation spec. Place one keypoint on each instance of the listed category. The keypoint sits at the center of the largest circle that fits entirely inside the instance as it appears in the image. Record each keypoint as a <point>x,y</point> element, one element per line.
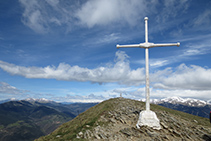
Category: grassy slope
<point>69,130</point>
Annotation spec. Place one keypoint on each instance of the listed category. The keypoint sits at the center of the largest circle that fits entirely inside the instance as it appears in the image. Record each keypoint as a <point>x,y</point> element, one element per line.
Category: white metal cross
<point>146,45</point>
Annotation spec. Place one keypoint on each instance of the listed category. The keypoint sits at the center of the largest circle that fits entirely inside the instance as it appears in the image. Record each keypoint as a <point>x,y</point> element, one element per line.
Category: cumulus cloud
<point>103,12</point>
<point>184,77</point>
<point>120,72</point>
<point>161,93</point>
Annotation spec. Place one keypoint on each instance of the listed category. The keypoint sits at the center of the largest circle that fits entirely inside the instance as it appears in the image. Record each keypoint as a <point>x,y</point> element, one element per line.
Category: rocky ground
<point>117,118</point>
<point>121,125</point>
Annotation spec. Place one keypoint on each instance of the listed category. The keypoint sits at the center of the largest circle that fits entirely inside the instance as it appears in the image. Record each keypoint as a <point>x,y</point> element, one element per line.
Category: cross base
<point>148,118</point>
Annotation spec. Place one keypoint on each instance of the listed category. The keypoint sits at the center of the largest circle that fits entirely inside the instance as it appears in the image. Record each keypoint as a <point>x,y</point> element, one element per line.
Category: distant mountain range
<point>188,105</point>
<point>173,100</point>
<point>29,119</point>
<point>184,101</point>
<point>40,100</point>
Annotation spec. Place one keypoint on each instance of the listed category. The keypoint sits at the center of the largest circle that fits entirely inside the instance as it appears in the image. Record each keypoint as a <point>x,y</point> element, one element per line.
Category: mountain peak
<point>183,101</point>
<point>115,119</point>
<point>40,100</point>
<point>173,99</point>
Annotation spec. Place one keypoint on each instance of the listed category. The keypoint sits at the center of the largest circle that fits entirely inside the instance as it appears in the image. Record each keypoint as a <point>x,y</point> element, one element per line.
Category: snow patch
<point>178,100</point>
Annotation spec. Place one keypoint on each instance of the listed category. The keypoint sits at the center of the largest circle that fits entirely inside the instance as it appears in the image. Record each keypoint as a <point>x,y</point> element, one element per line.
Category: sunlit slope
<point>115,119</point>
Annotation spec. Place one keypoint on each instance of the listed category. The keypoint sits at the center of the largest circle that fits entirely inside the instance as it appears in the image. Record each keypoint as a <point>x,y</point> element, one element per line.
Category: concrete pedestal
<point>148,118</point>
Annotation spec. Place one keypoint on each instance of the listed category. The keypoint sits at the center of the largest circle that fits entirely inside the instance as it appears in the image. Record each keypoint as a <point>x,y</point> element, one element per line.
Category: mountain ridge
<point>115,119</point>
<point>189,105</point>
<point>174,100</point>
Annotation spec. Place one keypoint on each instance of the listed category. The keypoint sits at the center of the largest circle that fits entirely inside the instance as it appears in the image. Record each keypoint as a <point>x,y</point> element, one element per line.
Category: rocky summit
<point>116,119</point>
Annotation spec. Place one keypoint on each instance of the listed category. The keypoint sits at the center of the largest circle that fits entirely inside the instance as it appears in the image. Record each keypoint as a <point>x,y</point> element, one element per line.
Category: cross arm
<point>125,46</point>
<point>165,45</point>
<point>148,45</point>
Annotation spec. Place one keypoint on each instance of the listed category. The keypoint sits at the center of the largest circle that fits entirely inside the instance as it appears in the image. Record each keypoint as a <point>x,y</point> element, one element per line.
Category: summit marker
<point>147,117</point>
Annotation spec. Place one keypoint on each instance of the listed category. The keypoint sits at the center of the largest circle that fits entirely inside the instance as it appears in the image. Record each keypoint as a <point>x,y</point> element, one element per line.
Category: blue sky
<point>66,50</point>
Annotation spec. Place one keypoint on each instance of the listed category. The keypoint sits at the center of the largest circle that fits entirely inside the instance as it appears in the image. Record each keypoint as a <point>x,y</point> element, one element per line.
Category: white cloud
<point>138,93</point>
<point>53,3</point>
<point>120,72</point>
<point>192,50</point>
<point>42,15</point>
<point>204,95</point>
<point>170,9</point>
<point>156,93</point>
<point>184,77</point>
<point>158,62</point>
<point>80,98</point>
<point>32,16</point>
<point>5,88</point>
<point>203,19</point>
<point>198,46</point>
<point>103,12</point>
<point>201,22</point>
<point>113,37</point>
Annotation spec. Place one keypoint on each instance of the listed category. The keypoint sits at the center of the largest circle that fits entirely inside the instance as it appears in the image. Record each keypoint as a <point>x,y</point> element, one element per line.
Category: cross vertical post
<point>147,117</point>
<point>147,67</point>
<point>146,29</point>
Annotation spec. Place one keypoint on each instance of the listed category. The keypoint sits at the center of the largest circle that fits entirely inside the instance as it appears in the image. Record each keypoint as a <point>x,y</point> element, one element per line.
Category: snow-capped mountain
<point>40,100</point>
<point>189,105</point>
<point>183,101</point>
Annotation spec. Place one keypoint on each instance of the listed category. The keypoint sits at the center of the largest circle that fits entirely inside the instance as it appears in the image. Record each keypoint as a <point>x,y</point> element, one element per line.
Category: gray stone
<point>97,136</point>
<point>195,121</point>
<point>113,120</point>
<point>88,126</point>
<point>164,125</point>
<point>126,131</point>
<point>58,136</point>
<point>177,133</point>
<point>102,136</point>
<point>80,133</point>
<point>88,134</point>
